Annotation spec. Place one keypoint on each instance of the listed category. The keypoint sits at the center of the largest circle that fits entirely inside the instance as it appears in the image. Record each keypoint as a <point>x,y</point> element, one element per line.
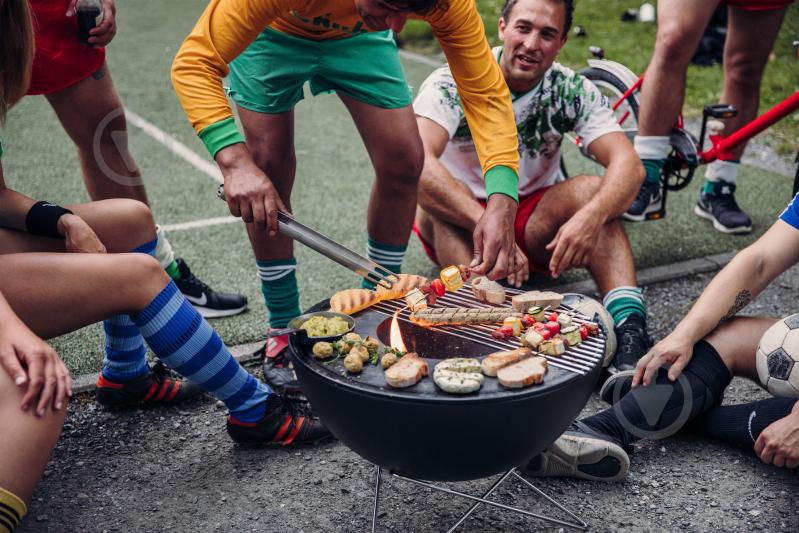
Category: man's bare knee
<point>672,47</point>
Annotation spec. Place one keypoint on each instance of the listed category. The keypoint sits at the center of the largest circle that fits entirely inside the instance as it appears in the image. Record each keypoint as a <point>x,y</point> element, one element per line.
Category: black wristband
<point>42,219</point>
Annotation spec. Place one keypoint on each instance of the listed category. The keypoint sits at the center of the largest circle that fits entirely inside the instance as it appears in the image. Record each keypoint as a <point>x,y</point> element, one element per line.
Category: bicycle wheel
<point>613,89</point>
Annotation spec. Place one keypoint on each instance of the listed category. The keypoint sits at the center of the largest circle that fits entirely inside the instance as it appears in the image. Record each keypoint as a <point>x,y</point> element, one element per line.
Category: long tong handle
<point>342,255</point>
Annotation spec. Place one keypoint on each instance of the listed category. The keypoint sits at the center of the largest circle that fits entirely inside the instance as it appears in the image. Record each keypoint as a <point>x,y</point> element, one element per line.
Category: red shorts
<point>61,60</point>
<point>759,5</point>
<point>527,205</point>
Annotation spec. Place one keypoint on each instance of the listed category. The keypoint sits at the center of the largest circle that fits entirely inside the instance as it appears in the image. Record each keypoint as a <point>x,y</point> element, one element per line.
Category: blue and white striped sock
<point>387,255</point>
<point>185,342</point>
<point>125,353</point>
<point>623,301</point>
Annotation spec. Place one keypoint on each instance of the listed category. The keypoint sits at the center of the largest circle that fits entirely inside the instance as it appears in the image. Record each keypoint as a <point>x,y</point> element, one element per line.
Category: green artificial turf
<point>333,179</point>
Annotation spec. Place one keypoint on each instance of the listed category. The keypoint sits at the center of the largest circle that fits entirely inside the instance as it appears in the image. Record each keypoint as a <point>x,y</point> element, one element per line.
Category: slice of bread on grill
<point>353,300</point>
<point>524,373</point>
<point>492,363</point>
<point>524,301</point>
<point>489,291</point>
<point>403,284</point>
<point>407,371</point>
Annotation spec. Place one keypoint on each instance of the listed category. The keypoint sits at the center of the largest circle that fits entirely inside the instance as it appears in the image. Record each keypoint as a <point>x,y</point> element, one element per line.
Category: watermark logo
<point>118,156</point>
<point>654,403</point>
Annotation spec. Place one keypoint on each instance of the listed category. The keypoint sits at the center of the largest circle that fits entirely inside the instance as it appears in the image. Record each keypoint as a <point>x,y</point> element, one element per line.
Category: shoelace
<point>648,190</point>
<point>191,279</point>
<point>161,372</point>
<point>632,336</point>
<point>725,202</point>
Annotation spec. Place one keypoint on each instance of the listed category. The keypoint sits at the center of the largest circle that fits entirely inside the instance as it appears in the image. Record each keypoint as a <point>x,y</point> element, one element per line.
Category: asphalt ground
<point>175,469</point>
<point>333,179</point>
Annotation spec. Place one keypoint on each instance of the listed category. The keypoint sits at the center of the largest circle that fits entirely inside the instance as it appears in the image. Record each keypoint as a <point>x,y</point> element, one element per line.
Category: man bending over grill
<point>273,47</point>
<point>706,349</point>
<point>561,223</point>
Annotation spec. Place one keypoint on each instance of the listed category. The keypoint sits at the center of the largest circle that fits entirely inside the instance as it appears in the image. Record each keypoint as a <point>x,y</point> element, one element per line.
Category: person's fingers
<point>271,214</point>
<point>779,460</point>
<point>652,369</point>
<point>500,263</point>
<point>640,368</point>
<point>767,455</point>
<point>561,258</point>
<point>678,366</point>
<point>281,206</point>
<point>259,215</point>
<point>35,382</point>
<point>9,361</point>
<point>233,206</point>
<point>62,386</point>
<point>246,210</point>
<point>792,462</point>
<point>477,257</point>
<point>49,389</point>
<point>760,443</point>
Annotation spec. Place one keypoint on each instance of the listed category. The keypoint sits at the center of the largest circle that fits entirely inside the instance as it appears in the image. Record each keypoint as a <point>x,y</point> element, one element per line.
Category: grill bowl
<point>425,433</point>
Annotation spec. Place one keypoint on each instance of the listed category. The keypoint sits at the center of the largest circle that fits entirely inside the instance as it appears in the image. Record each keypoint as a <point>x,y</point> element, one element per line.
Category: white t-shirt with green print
<point>562,102</point>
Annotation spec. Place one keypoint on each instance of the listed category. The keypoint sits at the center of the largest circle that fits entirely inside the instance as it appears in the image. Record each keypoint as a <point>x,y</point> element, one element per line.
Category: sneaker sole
<point>606,391</point>
<point>584,458</point>
<point>700,212</point>
<point>642,217</point>
<point>207,312</point>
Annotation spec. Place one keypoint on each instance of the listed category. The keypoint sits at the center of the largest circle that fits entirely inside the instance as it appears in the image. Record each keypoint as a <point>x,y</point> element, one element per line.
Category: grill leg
<point>577,524</point>
<point>475,505</point>
<point>378,478</point>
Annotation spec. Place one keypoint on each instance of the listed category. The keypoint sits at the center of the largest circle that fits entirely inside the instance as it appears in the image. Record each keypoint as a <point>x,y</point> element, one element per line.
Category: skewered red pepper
<point>583,332</point>
<point>438,287</point>
<point>528,321</point>
<point>553,317</point>
<point>503,333</point>
<point>553,327</point>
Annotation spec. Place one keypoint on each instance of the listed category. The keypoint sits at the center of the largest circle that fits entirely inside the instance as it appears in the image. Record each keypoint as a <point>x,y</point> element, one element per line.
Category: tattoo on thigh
<point>743,298</point>
<point>99,73</point>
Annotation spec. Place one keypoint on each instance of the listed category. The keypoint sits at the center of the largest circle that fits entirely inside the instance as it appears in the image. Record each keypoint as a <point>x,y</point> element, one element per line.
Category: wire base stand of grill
<point>479,500</point>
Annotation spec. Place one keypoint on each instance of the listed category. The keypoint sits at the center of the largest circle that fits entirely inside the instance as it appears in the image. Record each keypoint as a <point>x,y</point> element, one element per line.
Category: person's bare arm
<point>439,191</point>
<point>730,291</point>
<point>14,207</point>
<point>576,240</point>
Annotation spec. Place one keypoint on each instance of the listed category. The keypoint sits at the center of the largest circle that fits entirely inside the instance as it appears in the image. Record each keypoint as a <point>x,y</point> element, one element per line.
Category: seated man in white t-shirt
<point>561,223</point>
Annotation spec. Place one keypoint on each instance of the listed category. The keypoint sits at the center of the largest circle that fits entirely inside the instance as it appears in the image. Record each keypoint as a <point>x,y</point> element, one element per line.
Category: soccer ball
<point>595,311</point>
<point>777,358</point>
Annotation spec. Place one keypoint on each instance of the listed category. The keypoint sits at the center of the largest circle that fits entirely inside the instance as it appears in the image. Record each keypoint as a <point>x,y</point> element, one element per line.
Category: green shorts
<point>268,76</point>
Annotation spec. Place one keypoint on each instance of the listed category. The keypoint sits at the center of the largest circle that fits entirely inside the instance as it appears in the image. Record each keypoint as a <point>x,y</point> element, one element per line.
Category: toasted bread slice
<point>492,363</point>
<point>352,300</point>
<point>489,291</point>
<point>524,373</point>
<point>524,301</point>
<point>403,284</point>
<point>407,371</point>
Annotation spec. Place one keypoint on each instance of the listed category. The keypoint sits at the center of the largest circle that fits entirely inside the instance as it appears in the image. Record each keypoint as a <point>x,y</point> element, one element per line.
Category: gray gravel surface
<point>174,469</point>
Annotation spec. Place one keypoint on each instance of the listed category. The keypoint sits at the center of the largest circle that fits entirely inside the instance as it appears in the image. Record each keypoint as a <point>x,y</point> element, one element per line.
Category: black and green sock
<point>623,301</point>
<point>387,255</point>
<point>279,287</point>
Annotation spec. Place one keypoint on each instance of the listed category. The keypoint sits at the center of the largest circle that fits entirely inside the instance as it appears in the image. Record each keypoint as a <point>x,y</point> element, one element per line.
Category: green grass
<point>632,44</point>
<point>333,177</point>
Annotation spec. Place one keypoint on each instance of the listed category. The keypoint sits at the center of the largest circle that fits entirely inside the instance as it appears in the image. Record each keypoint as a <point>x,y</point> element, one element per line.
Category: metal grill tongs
<point>326,246</point>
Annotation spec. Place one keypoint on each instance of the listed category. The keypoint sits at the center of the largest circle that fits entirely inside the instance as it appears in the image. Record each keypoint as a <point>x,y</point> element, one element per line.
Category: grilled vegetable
<point>532,338</point>
<point>552,347</point>
<point>515,323</point>
<point>553,327</point>
<point>454,316</point>
<point>537,313</point>
<point>564,320</point>
<point>451,276</point>
<point>503,333</point>
<point>438,287</point>
<point>583,331</point>
<point>416,300</point>
<point>571,335</point>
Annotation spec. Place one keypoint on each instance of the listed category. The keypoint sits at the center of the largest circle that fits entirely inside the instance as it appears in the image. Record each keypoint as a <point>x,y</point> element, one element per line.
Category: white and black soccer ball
<point>595,311</point>
<point>778,358</point>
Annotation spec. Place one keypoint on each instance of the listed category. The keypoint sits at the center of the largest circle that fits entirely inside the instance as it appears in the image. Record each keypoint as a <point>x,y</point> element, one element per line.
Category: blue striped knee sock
<point>125,353</point>
<point>623,301</point>
<point>185,342</point>
<point>387,255</point>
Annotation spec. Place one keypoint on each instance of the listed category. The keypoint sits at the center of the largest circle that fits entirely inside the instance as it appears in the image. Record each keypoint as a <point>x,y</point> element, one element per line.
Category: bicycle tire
<point>602,78</point>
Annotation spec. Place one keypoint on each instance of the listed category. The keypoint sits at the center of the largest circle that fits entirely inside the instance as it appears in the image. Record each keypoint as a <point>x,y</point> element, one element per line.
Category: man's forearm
<point>444,197</point>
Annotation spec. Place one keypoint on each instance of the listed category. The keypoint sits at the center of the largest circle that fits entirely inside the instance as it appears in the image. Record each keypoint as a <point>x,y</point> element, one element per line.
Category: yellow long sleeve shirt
<point>227,27</point>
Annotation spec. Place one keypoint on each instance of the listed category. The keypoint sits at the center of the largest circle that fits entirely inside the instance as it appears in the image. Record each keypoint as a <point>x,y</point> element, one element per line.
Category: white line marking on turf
<point>200,223</point>
<point>420,58</point>
<point>174,145</point>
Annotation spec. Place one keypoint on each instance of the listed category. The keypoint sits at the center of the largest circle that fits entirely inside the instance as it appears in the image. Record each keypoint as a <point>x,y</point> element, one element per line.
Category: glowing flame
<point>395,336</point>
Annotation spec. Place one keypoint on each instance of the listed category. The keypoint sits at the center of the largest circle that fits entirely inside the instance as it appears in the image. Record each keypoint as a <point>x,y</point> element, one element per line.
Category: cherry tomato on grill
<point>438,287</point>
<point>502,333</point>
<point>553,327</point>
<point>553,317</point>
<point>583,332</point>
<point>528,321</point>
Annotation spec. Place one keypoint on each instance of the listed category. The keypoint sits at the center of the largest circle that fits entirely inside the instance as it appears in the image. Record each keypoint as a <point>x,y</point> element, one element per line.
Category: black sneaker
<point>633,343</point>
<point>721,208</point>
<point>283,423</point>
<point>278,369</point>
<point>208,302</point>
<point>160,385</point>
<point>647,201</point>
<point>581,453</point>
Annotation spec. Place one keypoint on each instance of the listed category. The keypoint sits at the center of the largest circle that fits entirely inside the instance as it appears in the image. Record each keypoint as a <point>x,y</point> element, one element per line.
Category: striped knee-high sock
<point>185,342</point>
<point>12,510</point>
<point>387,255</point>
<point>125,353</point>
<point>623,301</point>
<point>279,287</point>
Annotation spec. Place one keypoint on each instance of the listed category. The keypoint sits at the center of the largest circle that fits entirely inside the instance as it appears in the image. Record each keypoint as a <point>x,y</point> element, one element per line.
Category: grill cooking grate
<point>580,359</point>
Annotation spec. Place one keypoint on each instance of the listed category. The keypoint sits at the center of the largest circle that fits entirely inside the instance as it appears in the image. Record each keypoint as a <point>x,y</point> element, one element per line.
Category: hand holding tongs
<point>342,255</point>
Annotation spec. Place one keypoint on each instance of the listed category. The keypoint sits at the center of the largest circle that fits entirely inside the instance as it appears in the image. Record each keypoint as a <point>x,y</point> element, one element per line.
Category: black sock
<point>664,410</point>
<point>742,424</point>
